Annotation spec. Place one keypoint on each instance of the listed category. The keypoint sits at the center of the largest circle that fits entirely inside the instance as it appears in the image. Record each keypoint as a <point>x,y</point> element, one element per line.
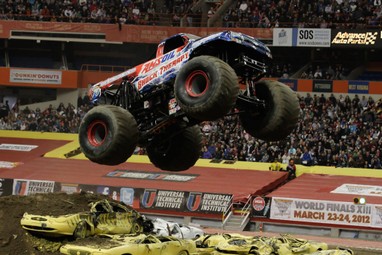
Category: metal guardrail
<point>228,212</point>
<point>245,212</point>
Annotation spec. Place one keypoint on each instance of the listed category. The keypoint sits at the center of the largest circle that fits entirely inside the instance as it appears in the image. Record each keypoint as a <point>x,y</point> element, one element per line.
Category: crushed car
<point>104,217</point>
<point>244,246</point>
<point>207,243</point>
<point>288,245</point>
<point>338,251</point>
<point>141,244</point>
<point>158,104</point>
<point>218,244</point>
<point>162,227</point>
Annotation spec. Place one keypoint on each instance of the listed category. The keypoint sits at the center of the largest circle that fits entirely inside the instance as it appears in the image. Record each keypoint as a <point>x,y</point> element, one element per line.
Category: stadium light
<point>359,200</point>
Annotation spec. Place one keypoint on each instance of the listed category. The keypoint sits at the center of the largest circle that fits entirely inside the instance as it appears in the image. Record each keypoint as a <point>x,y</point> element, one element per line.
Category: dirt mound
<point>14,240</point>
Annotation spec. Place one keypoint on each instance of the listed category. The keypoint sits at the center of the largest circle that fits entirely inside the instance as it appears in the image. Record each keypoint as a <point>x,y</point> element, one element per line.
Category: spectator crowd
<point>332,131</point>
<point>138,12</point>
<point>313,14</point>
<point>245,13</point>
<point>340,132</point>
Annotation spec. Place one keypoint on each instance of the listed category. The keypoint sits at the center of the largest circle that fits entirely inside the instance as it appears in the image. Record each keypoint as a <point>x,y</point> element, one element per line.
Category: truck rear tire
<point>206,88</point>
<point>177,153</point>
<point>281,112</point>
<point>108,135</point>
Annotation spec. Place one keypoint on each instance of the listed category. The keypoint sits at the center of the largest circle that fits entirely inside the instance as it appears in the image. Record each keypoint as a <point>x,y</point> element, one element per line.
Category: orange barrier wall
<point>81,79</point>
<point>128,33</point>
<point>66,79</point>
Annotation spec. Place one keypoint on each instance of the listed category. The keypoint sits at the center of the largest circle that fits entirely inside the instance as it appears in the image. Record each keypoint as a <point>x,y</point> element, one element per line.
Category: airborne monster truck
<point>159,104</point>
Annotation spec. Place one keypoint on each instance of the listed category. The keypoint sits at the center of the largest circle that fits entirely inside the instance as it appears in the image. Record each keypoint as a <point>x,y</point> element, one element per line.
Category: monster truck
<point>158,105</point>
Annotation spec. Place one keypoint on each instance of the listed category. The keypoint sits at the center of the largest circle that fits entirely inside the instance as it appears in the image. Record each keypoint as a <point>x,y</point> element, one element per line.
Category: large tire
<point>108,135</point>
<point>281,112</point>
<point>177,153</point>
<point>206,88</point>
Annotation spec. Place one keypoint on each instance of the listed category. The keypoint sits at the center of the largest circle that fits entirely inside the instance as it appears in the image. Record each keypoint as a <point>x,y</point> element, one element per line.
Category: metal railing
<point>245,212</point>
<point>228,212</point>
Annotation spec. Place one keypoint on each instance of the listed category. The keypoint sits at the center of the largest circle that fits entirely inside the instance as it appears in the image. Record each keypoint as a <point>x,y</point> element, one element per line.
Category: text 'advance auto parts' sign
<point>301,37</point>
<point>35,76</point>
<point>185,201</point>
<point>368,38</point>
<point>329,212</point>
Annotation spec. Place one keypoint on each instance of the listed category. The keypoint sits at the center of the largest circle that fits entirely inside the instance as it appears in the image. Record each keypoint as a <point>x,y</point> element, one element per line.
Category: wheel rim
<point>97,132</point>
<point>197,83</point>
<point>137,228</point>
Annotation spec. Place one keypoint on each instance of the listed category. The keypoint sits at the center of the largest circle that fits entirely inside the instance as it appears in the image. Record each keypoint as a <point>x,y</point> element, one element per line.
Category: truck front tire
<point>108,135</point>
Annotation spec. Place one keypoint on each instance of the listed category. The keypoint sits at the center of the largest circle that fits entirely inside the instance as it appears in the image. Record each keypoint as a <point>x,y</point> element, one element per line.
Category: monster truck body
<point>158,104</point>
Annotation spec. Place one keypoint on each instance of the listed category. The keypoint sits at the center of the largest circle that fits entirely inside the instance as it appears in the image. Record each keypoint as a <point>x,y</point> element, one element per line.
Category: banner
<point>282,37</point>
<point>261,206</point>
<point>327,212</point>
<point>69,188</point>
<point>136,174</point>
<point>35,76</point>
<point>17,147</point>
<point>358,87</point>
<point>185,201</point>
<point>360,38</point>
<point>163,199</point>
<point>312,37</point>
<point>6,187</point>
<point>358,189</point>
<point>210,203</point>
<point>29,187</point>
<point>7,164</point>
<point>301,37</point>
<point>324,86</point>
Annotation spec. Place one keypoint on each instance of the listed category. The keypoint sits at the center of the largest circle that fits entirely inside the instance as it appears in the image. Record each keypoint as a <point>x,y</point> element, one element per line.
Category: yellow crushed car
<point>104,217</point>
<point>244,246</point>
<point>338,251</point>
<point>287,245</point>
<point>140,244</point>
<point>231,243</point>
<point>206,244</point>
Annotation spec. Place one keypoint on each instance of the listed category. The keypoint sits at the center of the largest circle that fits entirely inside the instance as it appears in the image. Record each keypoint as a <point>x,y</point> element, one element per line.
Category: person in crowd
<point>275,166</point>
<point>291,169</point>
